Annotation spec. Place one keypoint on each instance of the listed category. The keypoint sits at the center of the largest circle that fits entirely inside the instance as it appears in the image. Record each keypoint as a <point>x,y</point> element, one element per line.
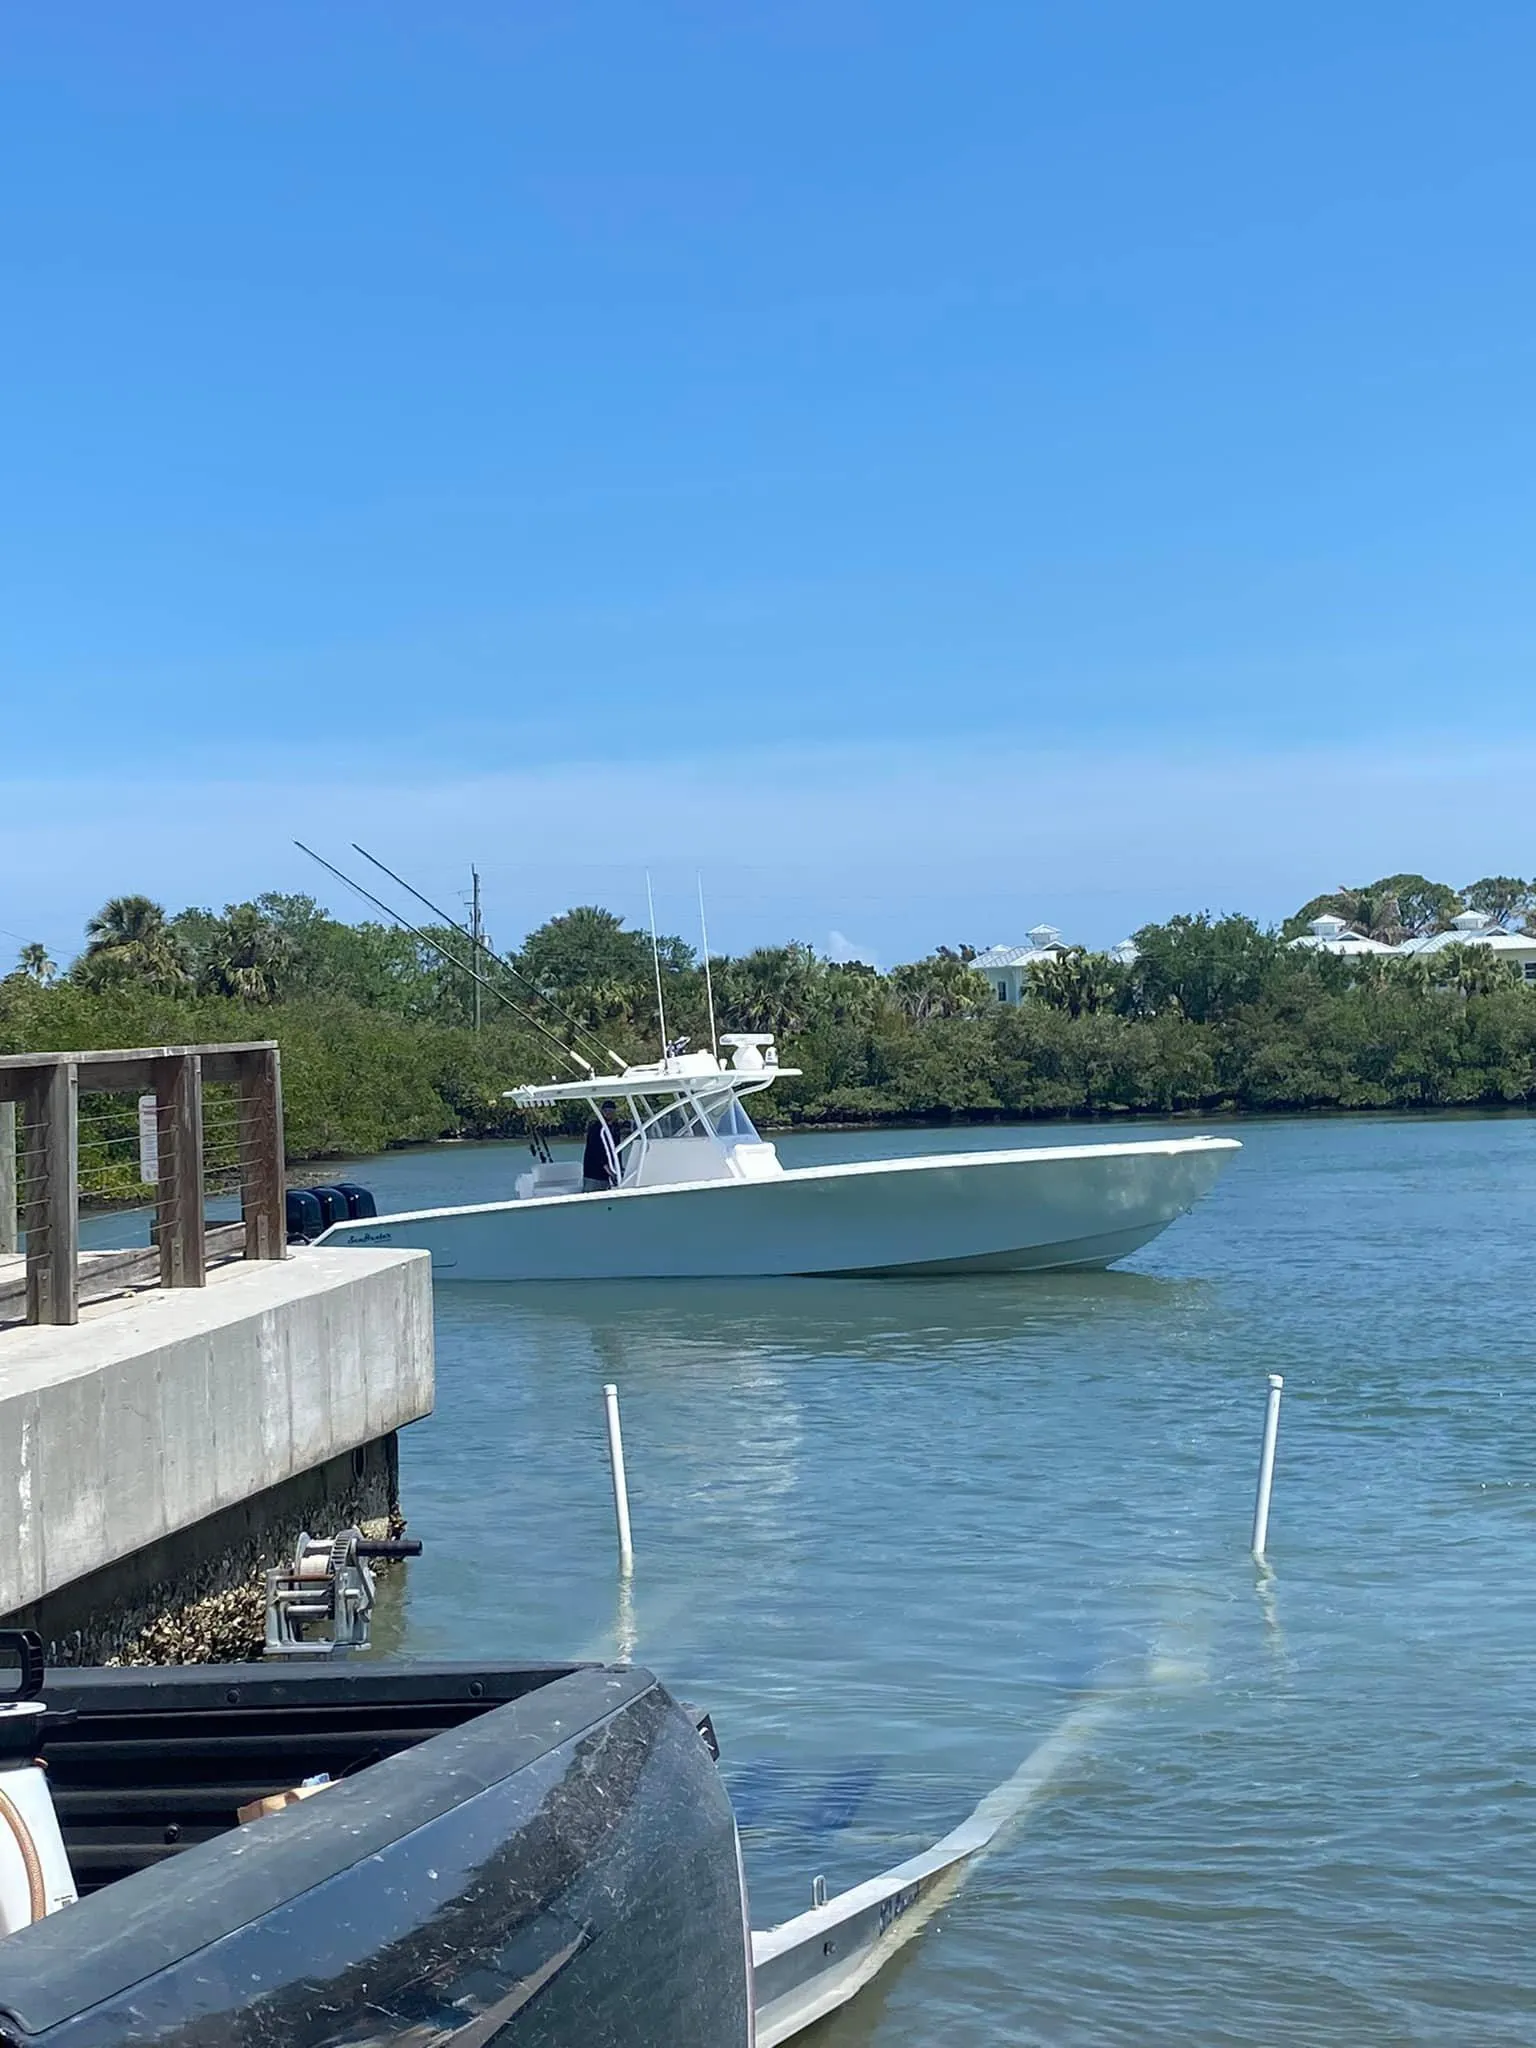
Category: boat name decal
<point>891,1909</point>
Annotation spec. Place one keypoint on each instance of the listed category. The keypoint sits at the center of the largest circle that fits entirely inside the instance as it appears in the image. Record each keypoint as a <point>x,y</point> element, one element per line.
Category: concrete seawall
<point>154,1456</point>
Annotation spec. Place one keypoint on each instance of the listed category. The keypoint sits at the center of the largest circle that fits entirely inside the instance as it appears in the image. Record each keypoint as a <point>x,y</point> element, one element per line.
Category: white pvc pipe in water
<point>1267,1465</point>
<point>620,1486</point>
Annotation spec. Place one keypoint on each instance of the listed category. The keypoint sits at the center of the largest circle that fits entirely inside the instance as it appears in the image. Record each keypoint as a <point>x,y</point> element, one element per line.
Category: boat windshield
<point>714,1116</point>
<point>729,1120</point>
<point>677,1122</point>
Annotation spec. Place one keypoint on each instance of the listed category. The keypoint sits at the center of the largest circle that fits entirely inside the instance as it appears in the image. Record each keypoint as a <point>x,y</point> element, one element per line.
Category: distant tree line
<point>376,1026</point>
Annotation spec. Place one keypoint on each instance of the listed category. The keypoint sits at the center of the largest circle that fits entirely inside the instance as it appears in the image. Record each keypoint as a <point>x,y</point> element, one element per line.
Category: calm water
<point>894,1534</point>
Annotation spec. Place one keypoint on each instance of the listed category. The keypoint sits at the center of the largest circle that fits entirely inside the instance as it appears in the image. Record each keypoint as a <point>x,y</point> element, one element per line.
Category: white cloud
<point>841,947</point>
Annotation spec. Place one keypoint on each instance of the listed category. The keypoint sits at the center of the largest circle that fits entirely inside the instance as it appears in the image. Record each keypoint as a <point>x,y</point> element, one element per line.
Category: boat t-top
<point>683,1119</point>
<point>700,1193</point>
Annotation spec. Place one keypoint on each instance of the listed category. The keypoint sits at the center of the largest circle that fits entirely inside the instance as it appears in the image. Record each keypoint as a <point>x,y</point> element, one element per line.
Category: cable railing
<point>167,1127</point>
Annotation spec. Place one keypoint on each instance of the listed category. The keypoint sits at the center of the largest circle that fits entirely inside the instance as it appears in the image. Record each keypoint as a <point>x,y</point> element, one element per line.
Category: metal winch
<point>320,1605</point>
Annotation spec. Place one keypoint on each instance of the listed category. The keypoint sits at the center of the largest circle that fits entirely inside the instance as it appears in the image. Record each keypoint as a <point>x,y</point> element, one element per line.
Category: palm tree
<point>772,989</point>
<point>606,1004</point>
<point>1471,970</point>
<point>129,940</point>
<point>1395,908</point>
<point>942,986</point>
<point>248,955</point>
<point>33,961</point>
<point>1375,912</point>
<point>1414,974</point>
<point>856,995</point>
<point>1077,981</point>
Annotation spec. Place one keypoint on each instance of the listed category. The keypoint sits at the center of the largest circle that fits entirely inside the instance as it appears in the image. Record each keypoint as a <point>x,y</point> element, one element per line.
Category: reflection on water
<point>898,1534</point>
<point>628,1319</point>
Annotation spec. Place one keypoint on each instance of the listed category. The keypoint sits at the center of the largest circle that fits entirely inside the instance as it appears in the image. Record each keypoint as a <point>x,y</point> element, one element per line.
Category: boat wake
<point>809,1966</point>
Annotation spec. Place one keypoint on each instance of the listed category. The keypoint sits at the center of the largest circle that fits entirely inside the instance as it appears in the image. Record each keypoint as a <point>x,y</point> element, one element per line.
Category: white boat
<point>701,1194</point>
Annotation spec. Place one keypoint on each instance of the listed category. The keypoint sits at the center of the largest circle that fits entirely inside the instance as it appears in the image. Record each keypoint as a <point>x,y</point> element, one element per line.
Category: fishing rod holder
<point>327,1589</point>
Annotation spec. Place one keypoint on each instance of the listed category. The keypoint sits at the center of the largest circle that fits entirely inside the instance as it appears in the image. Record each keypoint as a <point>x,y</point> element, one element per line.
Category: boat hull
<point>1035,1209</point>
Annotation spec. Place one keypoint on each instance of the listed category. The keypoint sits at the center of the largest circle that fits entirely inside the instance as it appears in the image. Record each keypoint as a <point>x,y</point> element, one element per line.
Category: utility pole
<point>476,935</point>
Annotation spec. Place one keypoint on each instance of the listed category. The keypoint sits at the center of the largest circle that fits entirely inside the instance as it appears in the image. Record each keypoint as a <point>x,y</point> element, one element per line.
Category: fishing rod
<point>566,1052</point>
<point>661,1007</point>
<point>709,981</point>
<point>501,959</point>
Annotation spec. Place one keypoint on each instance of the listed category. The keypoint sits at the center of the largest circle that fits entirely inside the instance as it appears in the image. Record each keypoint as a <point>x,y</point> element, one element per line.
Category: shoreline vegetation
<point>1214,1016</point>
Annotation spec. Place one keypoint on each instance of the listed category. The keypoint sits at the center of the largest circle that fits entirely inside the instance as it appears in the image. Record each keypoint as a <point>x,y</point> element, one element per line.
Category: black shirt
<point>599,1160</point>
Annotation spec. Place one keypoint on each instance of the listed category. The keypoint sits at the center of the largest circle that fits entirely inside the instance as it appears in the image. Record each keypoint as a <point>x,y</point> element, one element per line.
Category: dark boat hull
<point>540,1857</point>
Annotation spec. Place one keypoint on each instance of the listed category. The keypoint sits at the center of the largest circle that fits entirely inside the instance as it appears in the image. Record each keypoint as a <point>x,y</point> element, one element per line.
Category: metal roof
<point>1345,942</point>
<point>1014,956</point>
<point>1498,940</point>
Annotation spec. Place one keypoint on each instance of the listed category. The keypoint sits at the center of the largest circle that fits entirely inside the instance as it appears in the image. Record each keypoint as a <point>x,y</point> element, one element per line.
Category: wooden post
<point>51,1216</point>
<point>262,1162</point>
<point>179,1197</point>
<point>7,1177</point>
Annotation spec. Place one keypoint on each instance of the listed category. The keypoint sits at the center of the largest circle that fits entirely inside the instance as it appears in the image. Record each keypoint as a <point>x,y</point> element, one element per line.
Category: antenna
<point>661,1008</point>
<point>709,986</point>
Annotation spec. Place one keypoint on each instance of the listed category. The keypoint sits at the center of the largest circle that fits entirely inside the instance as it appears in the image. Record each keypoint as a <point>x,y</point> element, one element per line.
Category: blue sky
<point>930,468</point>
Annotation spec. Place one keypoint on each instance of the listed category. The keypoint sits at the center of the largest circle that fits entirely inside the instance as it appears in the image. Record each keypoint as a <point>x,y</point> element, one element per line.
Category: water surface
<point>895,1533</point>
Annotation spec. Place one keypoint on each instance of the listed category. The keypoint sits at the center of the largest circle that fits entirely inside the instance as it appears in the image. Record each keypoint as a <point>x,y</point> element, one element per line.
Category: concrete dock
<point>157,1454</point>
<point>172,1416</point>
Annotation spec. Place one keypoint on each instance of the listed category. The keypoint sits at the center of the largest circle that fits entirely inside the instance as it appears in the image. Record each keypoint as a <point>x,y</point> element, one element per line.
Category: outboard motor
<point>333,1206</point>
<point>311,1210</point>
<point>35,1877</point>
<point>305,1220</point>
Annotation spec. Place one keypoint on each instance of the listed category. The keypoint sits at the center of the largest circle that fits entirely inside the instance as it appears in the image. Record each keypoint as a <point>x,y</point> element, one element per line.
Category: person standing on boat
<point>600,1157</point>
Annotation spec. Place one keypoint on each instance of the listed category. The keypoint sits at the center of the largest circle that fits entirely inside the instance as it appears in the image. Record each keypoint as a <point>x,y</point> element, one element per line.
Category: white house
<point>1007,967</point>
<point>1332,934</point>
<point>1476,928</point>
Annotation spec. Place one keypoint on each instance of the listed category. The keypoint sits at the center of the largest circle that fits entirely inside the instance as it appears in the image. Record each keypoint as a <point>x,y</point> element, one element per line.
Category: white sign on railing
<point>149,1140</point>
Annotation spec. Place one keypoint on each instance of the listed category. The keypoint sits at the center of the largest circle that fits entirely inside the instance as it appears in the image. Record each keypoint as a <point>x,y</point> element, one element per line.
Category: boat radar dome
<point>751,1051</point>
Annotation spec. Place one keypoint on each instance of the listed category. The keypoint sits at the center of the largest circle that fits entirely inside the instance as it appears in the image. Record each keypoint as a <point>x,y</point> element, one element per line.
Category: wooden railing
<point>45,1090</point>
